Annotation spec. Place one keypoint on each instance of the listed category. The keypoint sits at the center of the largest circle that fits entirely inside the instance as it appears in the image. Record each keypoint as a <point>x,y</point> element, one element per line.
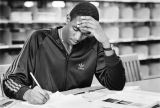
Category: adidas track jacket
<point>45,56</point>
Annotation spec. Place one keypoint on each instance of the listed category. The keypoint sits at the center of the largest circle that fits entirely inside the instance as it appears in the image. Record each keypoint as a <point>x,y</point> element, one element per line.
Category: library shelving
<point>133,26</point>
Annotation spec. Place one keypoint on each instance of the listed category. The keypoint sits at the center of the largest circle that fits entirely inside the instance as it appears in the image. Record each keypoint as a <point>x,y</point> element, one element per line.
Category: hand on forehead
<point>81,19</point>
<point>81,23</point>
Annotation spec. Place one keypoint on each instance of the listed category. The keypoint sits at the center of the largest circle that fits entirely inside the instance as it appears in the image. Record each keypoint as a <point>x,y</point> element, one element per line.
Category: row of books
<point>107,11</point>
<point>150,69</point>
<point>142,50</point>
<point>7,57</point>
<point>7,37</point>
<point>114,32</point>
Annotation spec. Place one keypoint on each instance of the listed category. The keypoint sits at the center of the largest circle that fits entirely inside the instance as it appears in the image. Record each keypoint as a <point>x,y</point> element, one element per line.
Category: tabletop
<point>147,85</point>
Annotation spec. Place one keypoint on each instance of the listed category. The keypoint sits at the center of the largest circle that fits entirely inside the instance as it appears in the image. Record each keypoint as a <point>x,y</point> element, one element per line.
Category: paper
<point>130,99</point>
<point>58,100</point>
<point>6,102</point>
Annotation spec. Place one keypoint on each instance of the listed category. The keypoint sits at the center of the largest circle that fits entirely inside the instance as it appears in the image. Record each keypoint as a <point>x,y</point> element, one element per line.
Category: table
<point>147,85</point>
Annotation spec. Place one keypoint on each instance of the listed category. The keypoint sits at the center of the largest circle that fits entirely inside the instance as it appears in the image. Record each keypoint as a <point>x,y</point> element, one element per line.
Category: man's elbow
<point>118,85</point>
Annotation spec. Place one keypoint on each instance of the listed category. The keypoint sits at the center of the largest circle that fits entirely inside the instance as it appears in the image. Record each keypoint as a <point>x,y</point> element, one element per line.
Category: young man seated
<point>65,58</point>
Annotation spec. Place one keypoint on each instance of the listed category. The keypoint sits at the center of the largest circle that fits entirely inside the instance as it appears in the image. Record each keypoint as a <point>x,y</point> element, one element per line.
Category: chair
<point>3,69</point>
<point>132,67</point>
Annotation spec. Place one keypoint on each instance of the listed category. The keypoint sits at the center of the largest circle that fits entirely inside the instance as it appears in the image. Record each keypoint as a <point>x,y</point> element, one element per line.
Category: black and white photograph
<point>79,53</point>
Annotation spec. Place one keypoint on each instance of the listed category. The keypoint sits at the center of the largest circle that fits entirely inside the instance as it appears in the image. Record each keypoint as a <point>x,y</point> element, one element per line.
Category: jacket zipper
<point>66,73</point>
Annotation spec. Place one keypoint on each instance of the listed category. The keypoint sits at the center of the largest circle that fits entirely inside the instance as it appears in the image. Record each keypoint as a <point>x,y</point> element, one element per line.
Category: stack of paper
<point>5,11</point>
<point>110,12</point>
<point>154,49</point>
<point>126,33</point>
<point>141,50</point>
<point>144,71</point>
<point>112,32</point>
<point>142,31</point>
<point>142,13</point>
<point>156,12</point>
<point>6,37</point>
<point>155,31</point>
<point>21,16</point>
<point>126,13</point>
<point>5,58</point>
<point>19,35</point>
<point>49,15</point>
<point>125,49</point>
<point>154,68</point>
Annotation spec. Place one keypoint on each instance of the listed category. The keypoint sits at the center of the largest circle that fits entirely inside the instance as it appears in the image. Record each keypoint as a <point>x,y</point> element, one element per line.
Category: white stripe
<point>8,71</point>
<point>16,61</point>
<point>10,87</point>
<point>11,67</point>
<point>18,85</point>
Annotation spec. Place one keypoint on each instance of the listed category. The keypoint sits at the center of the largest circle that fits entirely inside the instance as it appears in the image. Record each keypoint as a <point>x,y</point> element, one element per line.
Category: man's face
<point>75,34</point>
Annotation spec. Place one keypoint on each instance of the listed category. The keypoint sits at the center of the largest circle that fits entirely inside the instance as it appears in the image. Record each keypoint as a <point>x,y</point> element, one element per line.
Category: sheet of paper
<point>130,99</point>
<point>58,100</point>
<point>6,102</point>
<point>71,101</point>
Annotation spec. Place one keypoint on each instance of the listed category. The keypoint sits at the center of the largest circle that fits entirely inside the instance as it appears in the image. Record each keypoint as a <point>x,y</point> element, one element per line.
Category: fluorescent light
<point>28,4</point>
<point>58,4</point>
<point>95,4</point>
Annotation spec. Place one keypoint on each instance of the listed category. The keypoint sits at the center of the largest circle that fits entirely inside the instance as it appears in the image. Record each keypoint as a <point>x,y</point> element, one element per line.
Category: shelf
<point>62,22</point>
<point>150,57</point>
<point>30,22</point>
<point>19,46</point>
<point>151,38</point>
<point>3,47</point>
<point>129,20</point>
<point>4,21</point>
<point>125,1</point>
<point>125,20</point>
<point>55,22</point>
<point>128,1</point>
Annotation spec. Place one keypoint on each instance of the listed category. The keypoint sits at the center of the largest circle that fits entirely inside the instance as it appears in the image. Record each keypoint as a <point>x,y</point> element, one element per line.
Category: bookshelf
<point>133,26</point>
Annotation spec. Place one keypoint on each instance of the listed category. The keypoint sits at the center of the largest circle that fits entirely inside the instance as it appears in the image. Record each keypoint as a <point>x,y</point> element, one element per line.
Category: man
<point>65,58</point>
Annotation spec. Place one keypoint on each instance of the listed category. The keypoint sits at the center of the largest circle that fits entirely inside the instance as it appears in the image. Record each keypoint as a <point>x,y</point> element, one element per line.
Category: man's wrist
<point>27,94</point>
<point>107,49</point>
<point>106,45</point>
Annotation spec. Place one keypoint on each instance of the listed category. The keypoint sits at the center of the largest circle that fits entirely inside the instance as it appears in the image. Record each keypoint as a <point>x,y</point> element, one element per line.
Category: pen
<point>35,79</point>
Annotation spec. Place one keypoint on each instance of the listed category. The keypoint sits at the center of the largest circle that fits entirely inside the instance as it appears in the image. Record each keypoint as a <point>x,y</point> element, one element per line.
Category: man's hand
<point>36,96</point>
<point>87,23</point>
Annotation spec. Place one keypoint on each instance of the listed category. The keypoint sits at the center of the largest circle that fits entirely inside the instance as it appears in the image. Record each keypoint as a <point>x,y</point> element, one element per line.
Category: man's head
<point>82,9</point>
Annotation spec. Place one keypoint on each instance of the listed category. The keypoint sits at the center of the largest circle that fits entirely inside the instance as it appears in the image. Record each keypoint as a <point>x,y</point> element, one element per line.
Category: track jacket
<point>45,56</point>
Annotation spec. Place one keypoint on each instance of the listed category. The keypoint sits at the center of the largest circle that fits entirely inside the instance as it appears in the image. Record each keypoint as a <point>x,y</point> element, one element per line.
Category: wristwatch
<point>107,49</point>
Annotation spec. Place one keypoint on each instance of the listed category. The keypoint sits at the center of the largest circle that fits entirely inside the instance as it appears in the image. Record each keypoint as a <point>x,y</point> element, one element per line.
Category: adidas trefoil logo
<point>81,66</point>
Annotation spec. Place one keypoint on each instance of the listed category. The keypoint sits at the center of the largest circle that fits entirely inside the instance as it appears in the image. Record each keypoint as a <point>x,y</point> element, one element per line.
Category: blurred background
<point>133,26</point>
